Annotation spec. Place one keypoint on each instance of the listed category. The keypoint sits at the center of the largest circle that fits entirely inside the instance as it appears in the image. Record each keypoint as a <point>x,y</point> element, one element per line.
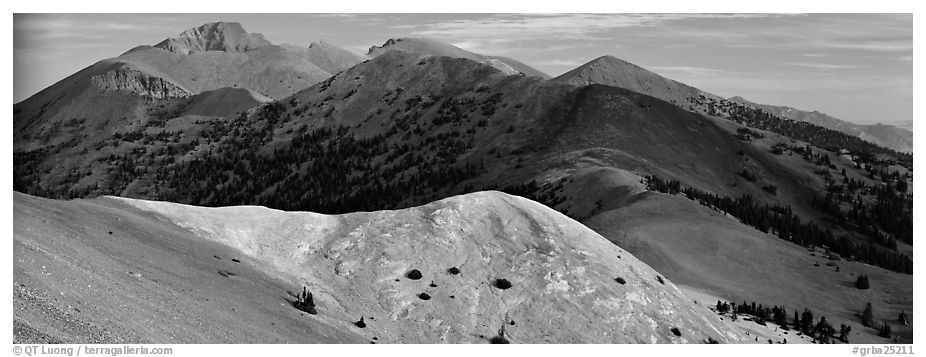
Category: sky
<point>856,67</point>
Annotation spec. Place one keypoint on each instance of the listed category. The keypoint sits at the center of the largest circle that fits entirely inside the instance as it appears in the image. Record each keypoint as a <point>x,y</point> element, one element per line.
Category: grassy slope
<point>711,252</point>
<point>147,282</point>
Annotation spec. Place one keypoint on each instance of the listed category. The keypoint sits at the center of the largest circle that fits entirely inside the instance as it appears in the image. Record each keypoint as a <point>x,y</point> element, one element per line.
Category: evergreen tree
<point>862,282</point>
<point>902,318</point>
<point>807,322</point>
<point>885,330</point>
<point>868,316</point>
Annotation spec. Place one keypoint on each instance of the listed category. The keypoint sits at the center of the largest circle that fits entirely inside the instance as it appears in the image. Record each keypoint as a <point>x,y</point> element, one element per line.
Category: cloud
<point>587,27</point>
<point>823,66</point>
<point>691,70</point>
<point>561,62</point>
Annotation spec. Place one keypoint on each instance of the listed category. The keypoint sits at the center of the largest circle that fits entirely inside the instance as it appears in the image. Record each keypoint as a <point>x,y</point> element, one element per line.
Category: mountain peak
<point>214,36</point>
<point>615,72</point>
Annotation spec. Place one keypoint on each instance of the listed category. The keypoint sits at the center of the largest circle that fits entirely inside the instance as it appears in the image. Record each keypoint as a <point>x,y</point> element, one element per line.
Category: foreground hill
<point>426,47</point>
<point>561,274</point>
<point>888,136</point>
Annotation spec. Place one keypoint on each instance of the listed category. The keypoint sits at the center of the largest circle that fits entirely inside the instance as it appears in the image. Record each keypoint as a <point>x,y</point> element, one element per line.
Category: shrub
<point>659,277</point>
<point>360,323</point>
<point>676,332</point>
<point>414,274</point>
<point>502,284</point>
<point>620,280</point>
<point>424,296</point>
<point>499,339</point>
<point>453,271</point>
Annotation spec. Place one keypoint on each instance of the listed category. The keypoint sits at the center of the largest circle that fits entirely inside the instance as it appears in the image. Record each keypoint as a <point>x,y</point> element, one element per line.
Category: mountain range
<point>220,117</point>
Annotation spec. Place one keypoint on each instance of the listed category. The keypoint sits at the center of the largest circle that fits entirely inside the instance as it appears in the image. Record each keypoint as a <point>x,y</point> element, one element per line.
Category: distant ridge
<point>889,136</point>
<point>426,47</point>
<point>331,58</point>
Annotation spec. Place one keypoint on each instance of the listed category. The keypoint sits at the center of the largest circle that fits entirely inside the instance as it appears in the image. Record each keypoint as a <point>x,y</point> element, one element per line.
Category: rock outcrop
<point>128,79</point>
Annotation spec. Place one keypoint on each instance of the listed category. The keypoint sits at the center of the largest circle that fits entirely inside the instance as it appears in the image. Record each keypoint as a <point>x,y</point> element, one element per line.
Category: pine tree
<point>824,330</point>
<point>885,330</point>
<point>902,318</point>
<point>868,316</point>
<point>862,282</point>
<point>807,322</point>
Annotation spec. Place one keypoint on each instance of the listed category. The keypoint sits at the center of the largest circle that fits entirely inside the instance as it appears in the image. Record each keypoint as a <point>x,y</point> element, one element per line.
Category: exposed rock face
<point>215,36</point>
<point>131,80</point>
<point>562,274</point>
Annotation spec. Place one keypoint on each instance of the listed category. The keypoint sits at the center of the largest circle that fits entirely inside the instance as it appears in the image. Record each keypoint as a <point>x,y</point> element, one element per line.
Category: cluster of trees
<point>868,320</point>
<point>788,226</point>
<point>883,213</point>
<point>305,302</point>
<point>804,322</point>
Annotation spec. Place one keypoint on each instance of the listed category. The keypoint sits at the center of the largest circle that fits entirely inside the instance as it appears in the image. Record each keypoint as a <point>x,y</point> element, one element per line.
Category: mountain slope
<point>331,58</point>
<point>101,271</point>
<point>429,47</point>
<point>885,135</point>
<point>562,274</point>
<point>703,249</point>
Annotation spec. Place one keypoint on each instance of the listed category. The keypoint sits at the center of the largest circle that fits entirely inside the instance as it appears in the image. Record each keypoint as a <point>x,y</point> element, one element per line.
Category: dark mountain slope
<point>615,72</point>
